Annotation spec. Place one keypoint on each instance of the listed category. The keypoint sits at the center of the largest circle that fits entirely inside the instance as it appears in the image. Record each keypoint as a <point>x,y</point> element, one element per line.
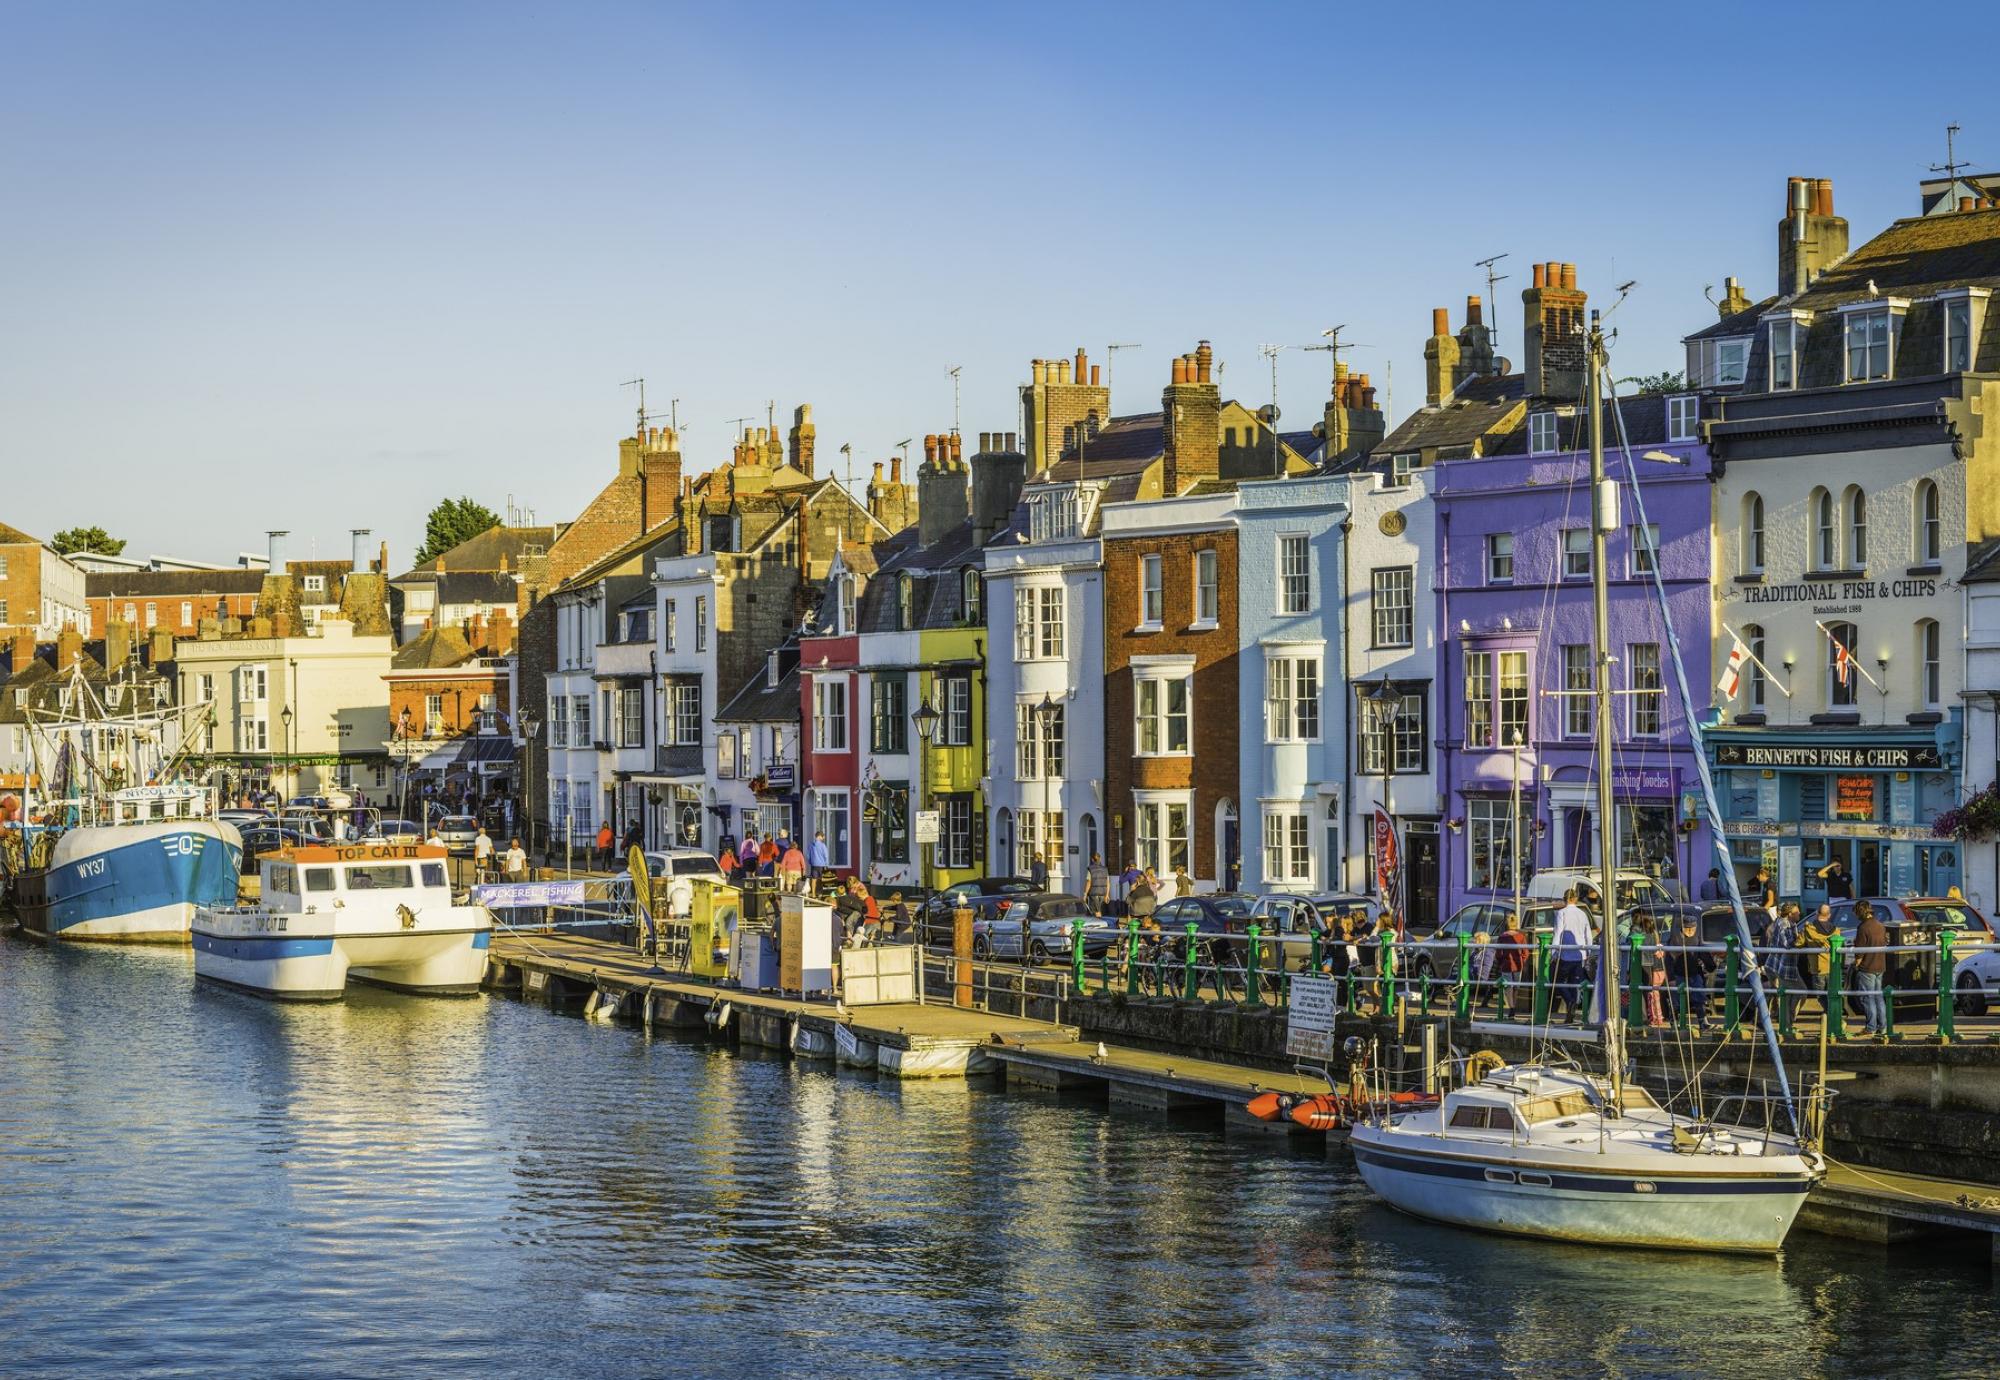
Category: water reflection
<point>201,1180</point>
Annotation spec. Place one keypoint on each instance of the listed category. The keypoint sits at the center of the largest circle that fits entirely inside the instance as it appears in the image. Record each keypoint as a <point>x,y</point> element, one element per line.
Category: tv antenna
<point>904,446</point>
<point>1111,357</point>
<point>738,422</point>
<point>1492,298</point>
<point>1271,352</point>
<point>848,451</point>
<point>640,384</point>
<point>953,371</point>
<point>1951,165</point>
<point>1334,344</point>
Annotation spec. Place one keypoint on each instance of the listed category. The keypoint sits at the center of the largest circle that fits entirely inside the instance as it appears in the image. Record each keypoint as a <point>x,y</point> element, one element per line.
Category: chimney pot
<point>1538,275</point>
<point>896,469</point>
<point>1082,364</point>
<point>1823,197</point>
<point>1011,441</point>
<point>1062,371</point>
<point>1440,321</point>
<point>1966,203</point>
<point>1096,371</point>
<point>1180,369</point>
<point>1474,311</point>
<point>1569,275</point>
<point>1204,359</point>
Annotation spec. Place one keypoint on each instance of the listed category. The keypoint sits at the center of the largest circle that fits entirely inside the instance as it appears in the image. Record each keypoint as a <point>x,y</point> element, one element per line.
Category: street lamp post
<point>926,719</point>
<point>1387,704</point>
<point>291,746</point>
<point>530,725</point>
<point>1045,717</point>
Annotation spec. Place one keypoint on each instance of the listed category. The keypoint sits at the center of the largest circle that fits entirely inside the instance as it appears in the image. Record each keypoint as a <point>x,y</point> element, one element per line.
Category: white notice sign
<point>1309,1020</point>
<point>927,826</point>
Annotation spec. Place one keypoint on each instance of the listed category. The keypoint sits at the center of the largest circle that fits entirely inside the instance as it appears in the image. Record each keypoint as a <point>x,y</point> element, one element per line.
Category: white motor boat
<point>1558,1153</point>
<point>373,912</point>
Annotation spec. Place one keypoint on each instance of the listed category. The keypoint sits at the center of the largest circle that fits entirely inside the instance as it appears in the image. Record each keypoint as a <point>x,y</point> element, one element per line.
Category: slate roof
<point>1455,425</point>
<point>484,552</point>
<point>1123,445</point>
<point>936,572</point>
<point>669,530</point>
<point>1982,563</point>
<point>477,587</point>
<point>1737,323</point>
<point>435,649</point>
<point>171,584</point>
<point>1645,425</point>
<point>759,703</point>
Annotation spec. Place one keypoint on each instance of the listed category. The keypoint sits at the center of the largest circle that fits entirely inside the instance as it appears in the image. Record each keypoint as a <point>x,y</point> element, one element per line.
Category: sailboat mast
<point>1604,513</point>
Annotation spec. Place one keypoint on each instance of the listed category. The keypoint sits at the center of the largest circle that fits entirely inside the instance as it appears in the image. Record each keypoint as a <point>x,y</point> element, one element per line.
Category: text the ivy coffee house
<point>1796,800</point>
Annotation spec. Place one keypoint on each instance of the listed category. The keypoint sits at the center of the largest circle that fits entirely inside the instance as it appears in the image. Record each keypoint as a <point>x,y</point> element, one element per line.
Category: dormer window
<point>1402,466</point>
<point>1718,363</point>
<point>847,606</point>
<point>771,670</point>
<point>1053,516</point>
<point>1784,354</point>
<point>968,594</point>
<point>1683,417</point>
<point>315,584</point>
<point>1963,310</point>
<point>906,603</point>
<point>1868,345</point>
<point>1541,433</point>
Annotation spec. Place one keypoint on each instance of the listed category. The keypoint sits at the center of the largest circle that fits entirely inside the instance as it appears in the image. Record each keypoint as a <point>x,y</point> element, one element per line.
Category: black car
<point>984,894</point>
<point>259,840</point>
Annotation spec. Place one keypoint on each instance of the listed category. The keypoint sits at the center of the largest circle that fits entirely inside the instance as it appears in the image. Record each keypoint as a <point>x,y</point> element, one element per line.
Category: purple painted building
<point>1514,613</point>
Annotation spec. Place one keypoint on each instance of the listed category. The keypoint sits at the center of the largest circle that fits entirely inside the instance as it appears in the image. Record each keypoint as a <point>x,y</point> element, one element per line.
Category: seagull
<point>1100,1049</point>
<point>1873,291</point>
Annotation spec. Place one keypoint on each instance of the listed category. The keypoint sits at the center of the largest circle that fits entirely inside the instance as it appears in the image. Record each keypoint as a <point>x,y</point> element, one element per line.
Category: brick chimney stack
<point>69,648</point>
<point>1734,299</point>
<point>1352,423</point>
<point>659,476</point>
<point>1811,236</point>
<point>1192,421</point>
<point>943,498</point>
<point>1552,332</point>
<point>1055,402</point>
<point>1440,358</point>
<point>801,438</point>
<point>24,649</point>
<point>1475,344</point>
<point>117,643</point>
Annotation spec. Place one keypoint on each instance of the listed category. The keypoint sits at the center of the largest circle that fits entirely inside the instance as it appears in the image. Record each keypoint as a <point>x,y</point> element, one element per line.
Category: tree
<point>451,522</point>
<point>96,540</point>
<point>1674,382</point>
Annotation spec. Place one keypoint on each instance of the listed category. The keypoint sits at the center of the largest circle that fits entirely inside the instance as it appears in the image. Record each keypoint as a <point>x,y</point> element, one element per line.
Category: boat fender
<point>1482,1063</point>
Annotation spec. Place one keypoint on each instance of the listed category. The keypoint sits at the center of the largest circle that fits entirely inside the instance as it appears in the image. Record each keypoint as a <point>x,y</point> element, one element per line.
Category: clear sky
<point>317,266</point>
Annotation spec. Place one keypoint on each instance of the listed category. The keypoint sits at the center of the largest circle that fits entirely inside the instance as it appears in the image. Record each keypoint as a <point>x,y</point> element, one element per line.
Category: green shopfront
<point>1795,799</point>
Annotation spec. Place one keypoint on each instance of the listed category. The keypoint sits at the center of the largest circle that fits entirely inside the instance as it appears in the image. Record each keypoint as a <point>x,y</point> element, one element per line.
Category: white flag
<point>1732,671</point>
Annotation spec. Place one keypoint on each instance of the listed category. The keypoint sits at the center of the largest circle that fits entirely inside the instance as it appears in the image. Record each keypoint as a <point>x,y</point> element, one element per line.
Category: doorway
<point>1576,837</point>
<point>1420,875</point>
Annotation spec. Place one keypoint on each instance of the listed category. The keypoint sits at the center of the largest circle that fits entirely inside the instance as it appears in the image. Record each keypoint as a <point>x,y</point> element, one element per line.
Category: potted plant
<point>1973,820</point>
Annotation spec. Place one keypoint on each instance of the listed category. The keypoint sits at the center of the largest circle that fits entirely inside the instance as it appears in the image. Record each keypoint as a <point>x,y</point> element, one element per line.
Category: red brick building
<point>174,601</point>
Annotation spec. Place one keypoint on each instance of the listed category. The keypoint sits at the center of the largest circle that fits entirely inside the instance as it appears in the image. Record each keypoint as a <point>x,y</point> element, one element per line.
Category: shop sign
<point>1829,829</point>
<point>1839,592</point>
<point>1828,756</point>
<point>1642,780</point>
<point>1854,797</point>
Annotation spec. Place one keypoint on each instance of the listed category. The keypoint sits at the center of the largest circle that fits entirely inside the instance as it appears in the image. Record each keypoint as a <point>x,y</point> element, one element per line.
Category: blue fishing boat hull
<point>130,882</point>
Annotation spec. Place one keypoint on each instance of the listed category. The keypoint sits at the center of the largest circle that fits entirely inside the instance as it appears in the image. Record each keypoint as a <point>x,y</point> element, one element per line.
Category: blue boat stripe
<point>1582,1183</point>
<point>263,948</point>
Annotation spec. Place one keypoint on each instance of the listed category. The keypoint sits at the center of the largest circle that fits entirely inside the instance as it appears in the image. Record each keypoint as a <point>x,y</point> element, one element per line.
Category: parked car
<point>1048,919</point>
<point>1918,920</point>
<point>983,894</point>
<point>244,819</point>
<point>457,833</point>
<point>261,839</point>
<point>1436,953</point>
<point>1975,981</point>
<point>1635,888</point>
<point>670,862</point>
<point>398,831</point>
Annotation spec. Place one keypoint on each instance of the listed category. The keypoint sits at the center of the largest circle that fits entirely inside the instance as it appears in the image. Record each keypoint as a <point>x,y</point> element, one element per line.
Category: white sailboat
<point>1547,1149</point>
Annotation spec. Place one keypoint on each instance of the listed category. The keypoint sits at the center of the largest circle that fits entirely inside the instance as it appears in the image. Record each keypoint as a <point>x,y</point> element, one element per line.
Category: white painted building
<point>1045,607</point>
<point>691,771</point>
<point>1391,632</point>
<point>1982,715</point>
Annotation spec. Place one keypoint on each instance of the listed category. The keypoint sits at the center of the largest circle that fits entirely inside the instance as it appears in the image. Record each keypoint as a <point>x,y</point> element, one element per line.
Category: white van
<point>1635,888</point>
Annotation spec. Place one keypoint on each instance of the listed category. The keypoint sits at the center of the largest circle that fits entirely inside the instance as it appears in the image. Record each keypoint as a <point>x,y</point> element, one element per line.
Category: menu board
<point>1854,797</point>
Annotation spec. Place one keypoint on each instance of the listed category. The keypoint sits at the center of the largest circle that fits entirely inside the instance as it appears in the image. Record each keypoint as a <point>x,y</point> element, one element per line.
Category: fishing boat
<point>97,858</point>
<point>378,913</point>
<point>1548,1149</point>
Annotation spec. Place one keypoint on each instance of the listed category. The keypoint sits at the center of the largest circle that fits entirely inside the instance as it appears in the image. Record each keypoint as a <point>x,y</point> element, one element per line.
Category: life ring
<point>1482,1063</point>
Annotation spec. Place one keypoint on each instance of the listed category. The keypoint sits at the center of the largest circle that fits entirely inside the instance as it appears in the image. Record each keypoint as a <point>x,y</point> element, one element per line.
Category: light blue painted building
<point>1289,604</point>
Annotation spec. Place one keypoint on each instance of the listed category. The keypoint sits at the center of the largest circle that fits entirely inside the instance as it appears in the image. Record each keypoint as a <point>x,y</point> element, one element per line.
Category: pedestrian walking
<point>1142,897</point>
<point>515,862</point>
<point>1689,967</point>
<point>792,868</point>
<point>1870,970</point>
<point>482,852</point>
<point>817,856</point>
<point>604,845</point>
<point>1038,871</point>
<point>1815,950</point>
<point>1097,885</point>
<point>1652,969</point>
<point>1510,960</point>
<point>1572,939</point>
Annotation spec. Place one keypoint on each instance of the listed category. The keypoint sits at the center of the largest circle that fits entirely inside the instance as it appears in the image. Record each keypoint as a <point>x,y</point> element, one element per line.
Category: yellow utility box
<point>713,915</point>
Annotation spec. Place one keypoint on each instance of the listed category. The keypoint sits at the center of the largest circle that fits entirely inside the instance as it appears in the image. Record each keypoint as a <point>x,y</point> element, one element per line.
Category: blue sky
<point>315,267</point>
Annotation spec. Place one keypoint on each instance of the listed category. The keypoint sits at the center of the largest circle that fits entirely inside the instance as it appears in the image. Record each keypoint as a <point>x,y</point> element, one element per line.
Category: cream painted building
<point>299,715</point>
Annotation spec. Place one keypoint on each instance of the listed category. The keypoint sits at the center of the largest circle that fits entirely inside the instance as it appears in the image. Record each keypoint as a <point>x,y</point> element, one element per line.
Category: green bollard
<point>1386,975</point>
<point>1317,957</point>
<point>1424,993</point>
<point>1505,1000</point>
<point>1947,1017</point>
<point>1193,993</point>
<point>1132,957</point>
<point>1252,979</point>
<point>1731,1015</point>
<point>1284,989</point>
<point>1635,998</point>
<point>1464,1002</point>
<point>1076,958</point>
<point>1542,975</point>
<point>1836,995</point>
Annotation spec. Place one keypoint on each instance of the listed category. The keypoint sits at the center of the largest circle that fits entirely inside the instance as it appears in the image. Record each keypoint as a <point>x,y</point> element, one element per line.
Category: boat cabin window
<point>1477,1117</point>
<point>434,874</point>
<point>1552,1108</point>
<point>285,878</point>
<point>319,879</point>
<point>378,877</point>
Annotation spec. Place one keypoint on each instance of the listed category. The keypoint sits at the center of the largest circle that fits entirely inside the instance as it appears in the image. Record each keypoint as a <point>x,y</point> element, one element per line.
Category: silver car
<point>1049,919</point>
<point>457,833</point>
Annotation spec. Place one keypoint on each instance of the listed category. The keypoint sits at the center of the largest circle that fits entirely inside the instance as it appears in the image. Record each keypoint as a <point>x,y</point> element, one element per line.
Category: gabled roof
<point>1480,406</point>
<point>1982,563</point>
<point>14,536</point>
<point>761,703</point>
<point>1737,323</point>
<point>477,587</point>
<point>485,551</point>
<point>608,564</point>
<point>937,588</point>
<point>434,649</point>
<point>1123,445</point>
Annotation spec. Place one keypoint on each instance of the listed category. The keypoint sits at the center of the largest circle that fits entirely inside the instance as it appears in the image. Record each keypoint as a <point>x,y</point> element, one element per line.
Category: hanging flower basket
<point>1973,820</point>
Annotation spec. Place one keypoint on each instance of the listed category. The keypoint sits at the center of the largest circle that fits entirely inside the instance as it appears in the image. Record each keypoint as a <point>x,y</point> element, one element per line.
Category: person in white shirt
<point>1572,944</point>
<point>482,852</point>
<point>515,861</point>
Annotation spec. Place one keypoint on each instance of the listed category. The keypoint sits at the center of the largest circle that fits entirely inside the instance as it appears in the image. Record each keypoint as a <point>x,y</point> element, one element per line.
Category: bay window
<point>1499,834</point>
<point>1287,846</point>
<point>1161,712</point>
<point>1291,698</point>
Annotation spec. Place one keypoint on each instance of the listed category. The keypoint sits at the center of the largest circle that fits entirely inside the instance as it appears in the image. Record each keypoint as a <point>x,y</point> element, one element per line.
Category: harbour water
<point>197,1182</point>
